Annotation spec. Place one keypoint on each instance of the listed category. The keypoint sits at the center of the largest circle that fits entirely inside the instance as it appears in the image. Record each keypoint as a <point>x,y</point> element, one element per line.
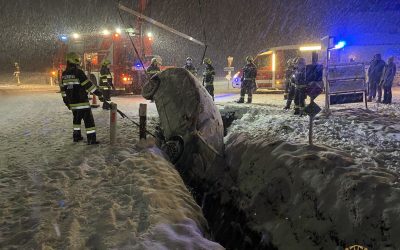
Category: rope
<point>204,33</point>
<point>123,115</point>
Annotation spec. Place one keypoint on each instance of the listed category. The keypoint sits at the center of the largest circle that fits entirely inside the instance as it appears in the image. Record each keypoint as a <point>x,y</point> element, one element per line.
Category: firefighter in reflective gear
<point>17,72</point>
<point>106,82</point>
<point>190,67</point>
<point>248,80</point>
<point>300,86</point>
<point>74,90</point>
<point>154,67</point>
<point>208,77</point>
<point>289,82</point>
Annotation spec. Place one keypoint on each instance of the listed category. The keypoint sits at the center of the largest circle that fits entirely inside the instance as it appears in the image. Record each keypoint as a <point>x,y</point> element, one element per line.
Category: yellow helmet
<point>207,60</point>
<point>73,58</point>
<point>106,62</point>
<point>249,59</point>
<point>154,60</point>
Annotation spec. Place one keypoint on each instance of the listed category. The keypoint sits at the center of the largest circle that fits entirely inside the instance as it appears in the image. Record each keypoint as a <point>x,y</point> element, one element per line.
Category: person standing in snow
<point>289,82</point>
<point>248,80</point>
<point>106,82</point>
<point>154,67</point>
<point>300,86</point>
<point>208,77</point>
<point>190,67</point>
<point>375,72</point>
<point>74,90</point>
<point>389,73</point>
<point>17,72</point>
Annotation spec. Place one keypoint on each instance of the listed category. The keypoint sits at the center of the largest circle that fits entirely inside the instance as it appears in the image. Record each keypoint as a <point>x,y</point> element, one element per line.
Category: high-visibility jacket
<point>75,87</point>
<point>191,68</point>
<point>208,75</point>
<point>152,70</point>
<point>106,80</point>
<point>249,72</point>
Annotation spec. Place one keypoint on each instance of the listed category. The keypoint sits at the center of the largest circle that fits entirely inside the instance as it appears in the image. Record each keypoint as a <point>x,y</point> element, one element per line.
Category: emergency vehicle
<point>271,64</point>
<point>116,47</point>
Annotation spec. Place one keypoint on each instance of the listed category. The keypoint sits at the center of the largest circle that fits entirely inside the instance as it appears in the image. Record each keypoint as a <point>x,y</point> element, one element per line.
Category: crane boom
<point>160,25</point>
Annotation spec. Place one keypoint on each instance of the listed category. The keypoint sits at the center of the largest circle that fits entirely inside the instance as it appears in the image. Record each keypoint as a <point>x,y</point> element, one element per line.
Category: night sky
<point>233,27</point>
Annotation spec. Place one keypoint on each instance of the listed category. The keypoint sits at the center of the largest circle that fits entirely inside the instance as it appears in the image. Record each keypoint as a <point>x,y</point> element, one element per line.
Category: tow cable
<point>123,115</point>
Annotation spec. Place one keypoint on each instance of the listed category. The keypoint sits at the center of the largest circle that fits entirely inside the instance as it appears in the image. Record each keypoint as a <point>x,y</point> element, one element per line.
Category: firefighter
<point>300,86</point>
<point>74,90</point>
<point>389,73</point>
<point>154,67</point>
<point>248,80</point>
<point>289,82</point>
<point>106,82</point>
<point>208,77</point>
<point>190,67</point>
<point>375,72</point>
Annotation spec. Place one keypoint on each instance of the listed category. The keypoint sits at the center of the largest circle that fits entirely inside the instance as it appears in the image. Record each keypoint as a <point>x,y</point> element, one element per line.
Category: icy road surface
<point>56,194</point>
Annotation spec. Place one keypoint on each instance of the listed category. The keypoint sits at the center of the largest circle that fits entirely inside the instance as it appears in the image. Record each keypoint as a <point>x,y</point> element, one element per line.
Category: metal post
<point>143,118</point>
<point>113,123</point>
<point>327,101</point>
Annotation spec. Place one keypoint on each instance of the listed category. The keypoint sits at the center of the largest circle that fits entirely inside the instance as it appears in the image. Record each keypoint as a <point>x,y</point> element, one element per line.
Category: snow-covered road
<point>56,194</point>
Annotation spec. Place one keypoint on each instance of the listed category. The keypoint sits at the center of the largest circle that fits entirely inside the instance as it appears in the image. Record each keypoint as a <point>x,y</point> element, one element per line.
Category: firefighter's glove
<point>101,98</point>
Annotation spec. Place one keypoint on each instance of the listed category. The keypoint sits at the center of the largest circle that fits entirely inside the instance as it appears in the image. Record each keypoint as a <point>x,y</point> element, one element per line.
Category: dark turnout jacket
<point>75,87</point>
<point>375,70</point>
<point>389,73</point>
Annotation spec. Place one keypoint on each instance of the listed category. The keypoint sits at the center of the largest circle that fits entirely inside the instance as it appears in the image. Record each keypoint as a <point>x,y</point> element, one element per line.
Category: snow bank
<point>313,197</point>
<point>369,136</point>
<point>342,192</point>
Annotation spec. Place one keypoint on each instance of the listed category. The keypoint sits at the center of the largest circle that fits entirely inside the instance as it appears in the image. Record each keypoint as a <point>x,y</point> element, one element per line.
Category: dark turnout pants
<point>290,95</point>
<point>210,89</point>
<point>387,95</point>
<point>107,97</point>
<point>300,98</point>
<point>247,88</point>
<point>87,117</point>
<point>373,87</point>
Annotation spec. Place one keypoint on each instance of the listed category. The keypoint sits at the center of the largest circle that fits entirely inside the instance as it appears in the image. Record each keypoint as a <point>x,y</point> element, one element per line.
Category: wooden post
<point>113,123</point>
<point>143,118</point>
<point>310,131</point>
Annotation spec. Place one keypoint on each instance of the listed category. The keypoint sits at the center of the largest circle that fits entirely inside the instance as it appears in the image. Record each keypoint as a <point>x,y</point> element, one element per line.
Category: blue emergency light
<point>63,38</point>
<point>340,45</point>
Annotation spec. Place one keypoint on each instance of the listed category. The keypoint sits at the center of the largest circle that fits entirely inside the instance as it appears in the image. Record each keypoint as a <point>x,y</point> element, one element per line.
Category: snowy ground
<point>55,194</point>
<point>370,136</point>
